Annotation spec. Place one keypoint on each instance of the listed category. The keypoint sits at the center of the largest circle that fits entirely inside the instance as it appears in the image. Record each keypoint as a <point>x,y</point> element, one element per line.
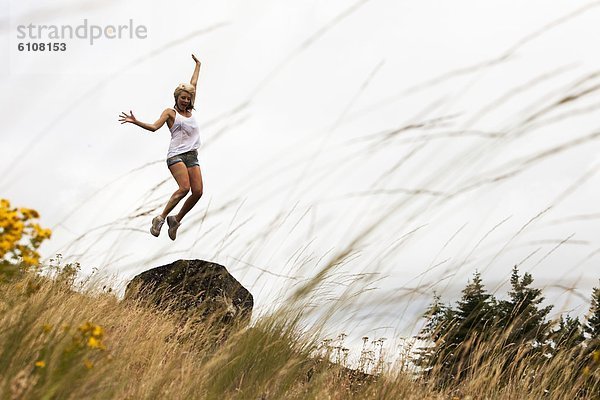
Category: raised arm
<point>123,118</point>
<point>194,79</point>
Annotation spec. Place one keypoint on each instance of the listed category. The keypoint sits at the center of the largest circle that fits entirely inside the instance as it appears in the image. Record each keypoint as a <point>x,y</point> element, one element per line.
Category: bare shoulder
<point>169,112</point>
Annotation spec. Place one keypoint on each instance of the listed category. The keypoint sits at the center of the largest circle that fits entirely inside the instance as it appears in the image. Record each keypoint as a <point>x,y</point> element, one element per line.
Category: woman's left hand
<point>195,59</point>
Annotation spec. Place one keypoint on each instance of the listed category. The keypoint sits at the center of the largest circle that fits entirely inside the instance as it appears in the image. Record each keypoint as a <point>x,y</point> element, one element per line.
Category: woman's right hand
<point>123,118</point>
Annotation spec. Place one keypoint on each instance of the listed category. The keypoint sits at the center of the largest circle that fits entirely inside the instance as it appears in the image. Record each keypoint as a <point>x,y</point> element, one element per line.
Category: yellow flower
<point>41,233</point>
<point>40,364</point>
<point>97,331</point>
<point>11,238</point>
<point>94,343</point>
<point>19,236</point>
<point>596,356</point>
<point>85,327</point>
<point>19,226</point>
<point>88,364</point>
<point>31,260</point>
<point>5,246</point>
<point>47,328</point>
<point>28,213</point>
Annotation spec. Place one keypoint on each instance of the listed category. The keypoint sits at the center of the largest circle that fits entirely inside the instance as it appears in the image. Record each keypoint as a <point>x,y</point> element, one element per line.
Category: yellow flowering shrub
<point>65,354</point>
<point>20,236</point>
<point>90,335</point>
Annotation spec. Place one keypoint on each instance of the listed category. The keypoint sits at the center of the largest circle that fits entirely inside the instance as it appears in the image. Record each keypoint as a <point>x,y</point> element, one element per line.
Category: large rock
<point>199,289</point>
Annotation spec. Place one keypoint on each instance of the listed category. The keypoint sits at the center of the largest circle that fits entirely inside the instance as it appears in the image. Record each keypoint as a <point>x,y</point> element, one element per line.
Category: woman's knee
<point>197,192</point>
<point>183,191</point>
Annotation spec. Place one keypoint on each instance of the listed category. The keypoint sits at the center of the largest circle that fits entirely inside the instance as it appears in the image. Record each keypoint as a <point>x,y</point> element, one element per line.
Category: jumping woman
<point>182,158</point>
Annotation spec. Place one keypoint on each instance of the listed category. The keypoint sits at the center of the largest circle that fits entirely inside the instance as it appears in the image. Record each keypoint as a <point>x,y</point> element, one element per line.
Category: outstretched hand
<point>123,118</point>
<point>195,59</point>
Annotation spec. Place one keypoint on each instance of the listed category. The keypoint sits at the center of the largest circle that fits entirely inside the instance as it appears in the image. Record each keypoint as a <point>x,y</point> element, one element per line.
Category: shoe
<point>173,225</point>
<point>157,223</point>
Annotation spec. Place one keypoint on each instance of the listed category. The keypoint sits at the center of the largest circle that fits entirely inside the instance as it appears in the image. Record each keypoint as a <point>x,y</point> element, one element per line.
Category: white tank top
<point>185,135</point>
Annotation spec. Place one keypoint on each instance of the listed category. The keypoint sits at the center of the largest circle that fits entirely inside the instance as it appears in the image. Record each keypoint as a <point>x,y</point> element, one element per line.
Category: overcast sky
<point>433,138</point>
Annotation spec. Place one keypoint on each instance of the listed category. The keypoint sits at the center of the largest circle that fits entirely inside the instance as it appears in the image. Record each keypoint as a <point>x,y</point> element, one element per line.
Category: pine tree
<point>454,331</point>
<point>439,318</point>
<point>521,314</point>
<point>569,333</point>
<point>475,310</point>
<point>592,324</point>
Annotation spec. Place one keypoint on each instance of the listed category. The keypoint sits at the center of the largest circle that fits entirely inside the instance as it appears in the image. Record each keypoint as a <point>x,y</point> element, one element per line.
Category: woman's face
<point>183,100</point>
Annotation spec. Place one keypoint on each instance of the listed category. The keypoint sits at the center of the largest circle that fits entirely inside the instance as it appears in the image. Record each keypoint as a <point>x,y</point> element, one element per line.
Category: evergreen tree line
<point>481,329</point>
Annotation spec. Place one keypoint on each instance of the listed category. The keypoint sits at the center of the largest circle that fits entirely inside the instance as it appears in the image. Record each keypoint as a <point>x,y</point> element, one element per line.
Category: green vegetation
<point>509,341</point>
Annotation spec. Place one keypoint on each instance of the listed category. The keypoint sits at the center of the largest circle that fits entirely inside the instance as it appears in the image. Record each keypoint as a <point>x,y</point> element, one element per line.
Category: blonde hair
<point>186,87</point>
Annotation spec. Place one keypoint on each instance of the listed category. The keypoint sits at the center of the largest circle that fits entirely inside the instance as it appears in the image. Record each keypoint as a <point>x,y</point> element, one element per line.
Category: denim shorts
<point>189,158</point>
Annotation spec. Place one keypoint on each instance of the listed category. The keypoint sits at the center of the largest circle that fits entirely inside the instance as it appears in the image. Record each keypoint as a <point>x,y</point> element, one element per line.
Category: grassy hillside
<point>65,344</point>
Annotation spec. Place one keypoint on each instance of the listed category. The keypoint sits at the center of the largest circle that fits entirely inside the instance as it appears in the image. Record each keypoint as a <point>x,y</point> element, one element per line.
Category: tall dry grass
<point>46,352</point>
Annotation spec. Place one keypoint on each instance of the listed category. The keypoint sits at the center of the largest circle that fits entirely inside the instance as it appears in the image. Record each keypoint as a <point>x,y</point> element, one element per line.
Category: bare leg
<point>195,179</point>
<point>180,173</point>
